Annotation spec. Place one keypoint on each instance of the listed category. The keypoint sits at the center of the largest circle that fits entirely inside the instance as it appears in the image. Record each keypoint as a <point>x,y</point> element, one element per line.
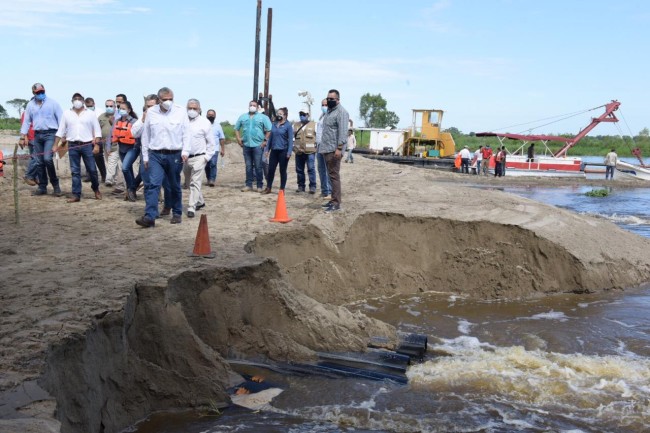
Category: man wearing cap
<point>165,147</point>
<point>305,147</point>
<point>465,155</point>
<point>332,145</point>
<point>202,148</point>
<point>81,129</point>
<point>44,114</point>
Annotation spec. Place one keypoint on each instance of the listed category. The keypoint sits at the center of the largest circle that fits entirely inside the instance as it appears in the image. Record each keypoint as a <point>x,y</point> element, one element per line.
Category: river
<point>565,363</point>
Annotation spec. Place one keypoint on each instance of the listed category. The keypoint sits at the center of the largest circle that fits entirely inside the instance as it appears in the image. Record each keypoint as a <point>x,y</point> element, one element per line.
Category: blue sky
<point>488,63</point>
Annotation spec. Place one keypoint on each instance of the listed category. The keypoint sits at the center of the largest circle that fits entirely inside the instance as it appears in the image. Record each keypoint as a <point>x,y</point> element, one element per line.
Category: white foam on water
<point>551,315</point>
<point>621,219</point>
<point>464,326</point>
<point>614,389</point>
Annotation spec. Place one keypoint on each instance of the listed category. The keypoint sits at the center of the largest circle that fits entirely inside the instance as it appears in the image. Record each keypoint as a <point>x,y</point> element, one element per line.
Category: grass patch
<point>10,124</point>
<point>597,193</point>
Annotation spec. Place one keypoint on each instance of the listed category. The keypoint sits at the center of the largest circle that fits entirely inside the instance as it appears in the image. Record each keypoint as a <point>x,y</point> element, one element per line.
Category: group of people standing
<point>480,160</point>
<point>268,145</point>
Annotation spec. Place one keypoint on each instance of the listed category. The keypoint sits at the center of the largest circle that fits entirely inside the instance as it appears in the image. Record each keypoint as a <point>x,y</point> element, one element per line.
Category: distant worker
<point>352,143</point>
<point>478,157</point>
<point>531,153</point>
<point>487,155</point>
<point>44,114</point>
<point>465,155</point>
<point>252,130</point>
<point>305,149</point>
<point>325,185</point>
<point>81,129</point>
<point>610,162</point>
<point>499,161</point>
<point>332,146</point>
<point>220,150</point>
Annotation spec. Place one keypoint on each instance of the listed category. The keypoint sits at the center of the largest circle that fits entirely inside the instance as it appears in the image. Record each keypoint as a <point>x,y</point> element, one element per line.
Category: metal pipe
<point>267,65</point>
<point>256,69</point>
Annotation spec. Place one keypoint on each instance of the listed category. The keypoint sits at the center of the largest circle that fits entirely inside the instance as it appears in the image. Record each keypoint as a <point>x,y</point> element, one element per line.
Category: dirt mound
<point>386,253</point>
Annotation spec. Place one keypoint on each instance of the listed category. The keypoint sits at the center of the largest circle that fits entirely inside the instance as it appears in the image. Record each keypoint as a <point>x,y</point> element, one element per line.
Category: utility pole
<point>267,65</point>
<point>256,71</point>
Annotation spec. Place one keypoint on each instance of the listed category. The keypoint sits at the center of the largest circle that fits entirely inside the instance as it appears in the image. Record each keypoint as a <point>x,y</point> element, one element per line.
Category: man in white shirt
<point>478,156</point>
<point>465,155</point>
<point>81,129</point>
<point>202,148</point>
<point>219,141</point>
<point>165,147</point>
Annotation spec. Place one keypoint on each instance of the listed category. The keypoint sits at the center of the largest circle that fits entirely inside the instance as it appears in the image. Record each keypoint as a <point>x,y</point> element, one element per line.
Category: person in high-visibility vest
<point>2,164</point>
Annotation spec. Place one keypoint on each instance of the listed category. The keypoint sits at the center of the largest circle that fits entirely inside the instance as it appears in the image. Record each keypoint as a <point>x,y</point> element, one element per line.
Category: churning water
<point>564,363</point>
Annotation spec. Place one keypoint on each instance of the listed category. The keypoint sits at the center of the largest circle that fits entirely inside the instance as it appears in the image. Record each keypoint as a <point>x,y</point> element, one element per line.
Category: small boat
<point>633,171</point>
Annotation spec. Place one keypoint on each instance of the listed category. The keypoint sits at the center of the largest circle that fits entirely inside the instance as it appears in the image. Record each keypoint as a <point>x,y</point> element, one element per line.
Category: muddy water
<point>565,363</point>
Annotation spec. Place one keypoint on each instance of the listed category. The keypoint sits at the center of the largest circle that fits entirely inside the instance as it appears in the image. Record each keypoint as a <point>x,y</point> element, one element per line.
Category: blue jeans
<point>609,172</point>
<point>277,156</point>
<point>31,172</point>
<point>75,154</point>
<point>43,143</point>
<point>163,167</point>
<point>128,158</point>
<point>325,185</point>
<point>211,168</point>
<point>253,159</point>
<point>301,160</point>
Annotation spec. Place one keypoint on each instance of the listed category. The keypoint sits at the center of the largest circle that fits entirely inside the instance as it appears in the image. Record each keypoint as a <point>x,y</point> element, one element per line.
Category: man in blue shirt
<point>45,114</point>
<point>255,130</point>
<point>220,140</point>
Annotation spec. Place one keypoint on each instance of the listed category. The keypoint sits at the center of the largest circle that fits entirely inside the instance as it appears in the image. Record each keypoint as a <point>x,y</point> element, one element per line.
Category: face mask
<point>110,110</point>
<point>279,117</point>
<point>331,104</point>
<point>304,119</point>
<point>192,114</point>
<point>40,97</point>
<point>252,109</point>
<point>77,104</point>
<point>323,109</point>
<point>167,105</point>
<point>123,113</point>
<point>92,108</point>
<point>211,119</point>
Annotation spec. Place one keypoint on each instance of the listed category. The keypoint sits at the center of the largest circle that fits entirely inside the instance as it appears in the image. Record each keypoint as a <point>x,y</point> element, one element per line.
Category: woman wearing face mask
<point>279,148</point>
<point>129,146</point>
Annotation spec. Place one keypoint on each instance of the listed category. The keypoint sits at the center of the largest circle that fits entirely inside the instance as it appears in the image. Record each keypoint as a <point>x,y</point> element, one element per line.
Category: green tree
<point>3,112</point>
<point>372,109</point>
<point>645,132</point>
<point>19,104</point>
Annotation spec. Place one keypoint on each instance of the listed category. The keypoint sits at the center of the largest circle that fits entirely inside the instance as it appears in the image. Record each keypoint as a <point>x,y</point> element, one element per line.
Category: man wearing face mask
<point>99,157</point>
<point>220,141</point>
<point>332,145</point>
<point>44,114</point>
<point>81,129</point>
<point>305,148</point>
<point>202,148</point>
<point>165,147</point>
<point>325,185</point>
<point>252,130</point>
<point>114,164</point>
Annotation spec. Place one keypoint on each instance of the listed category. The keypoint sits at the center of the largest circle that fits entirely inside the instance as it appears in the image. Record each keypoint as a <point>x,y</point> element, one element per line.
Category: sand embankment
<point>115,321</point>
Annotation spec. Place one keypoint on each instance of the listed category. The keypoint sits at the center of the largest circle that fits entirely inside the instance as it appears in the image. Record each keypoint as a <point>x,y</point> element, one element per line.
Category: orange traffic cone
<point>202,242</point>
<point>281,210</point>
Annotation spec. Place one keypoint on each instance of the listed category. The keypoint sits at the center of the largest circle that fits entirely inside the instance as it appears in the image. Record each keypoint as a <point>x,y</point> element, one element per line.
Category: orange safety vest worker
<point>122,133</point>
<point>2,164</point>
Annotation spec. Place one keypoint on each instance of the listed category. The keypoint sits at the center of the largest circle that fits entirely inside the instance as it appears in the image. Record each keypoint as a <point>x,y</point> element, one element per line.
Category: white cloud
<point>430,18</point>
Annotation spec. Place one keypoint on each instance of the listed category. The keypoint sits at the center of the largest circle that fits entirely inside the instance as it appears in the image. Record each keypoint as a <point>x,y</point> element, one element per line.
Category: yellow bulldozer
<point>425,138</point>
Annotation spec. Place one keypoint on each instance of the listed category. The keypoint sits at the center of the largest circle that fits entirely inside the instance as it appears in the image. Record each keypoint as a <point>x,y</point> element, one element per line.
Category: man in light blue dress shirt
<point>45,114</point>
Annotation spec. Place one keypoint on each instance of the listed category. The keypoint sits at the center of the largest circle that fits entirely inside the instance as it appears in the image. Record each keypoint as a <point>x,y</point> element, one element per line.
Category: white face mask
<point>191,113</point>
<point>252,109</point>
<point>77,104</point>
<point>167,105</point>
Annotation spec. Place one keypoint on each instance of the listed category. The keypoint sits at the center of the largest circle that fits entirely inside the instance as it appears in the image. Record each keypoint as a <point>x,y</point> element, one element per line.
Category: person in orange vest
<point>487,155</point>
<point>128,146</point>
<point>2,164</point>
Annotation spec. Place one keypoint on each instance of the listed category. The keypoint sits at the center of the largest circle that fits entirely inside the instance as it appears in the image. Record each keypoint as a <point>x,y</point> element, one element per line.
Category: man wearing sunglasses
<point>45,114</point>
<point>332,145</point>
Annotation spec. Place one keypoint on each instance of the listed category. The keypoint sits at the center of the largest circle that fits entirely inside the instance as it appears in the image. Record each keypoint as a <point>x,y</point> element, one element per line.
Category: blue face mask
<point>324,109</point>
<point>110,110</point>
<point>304,119</point>
<point>123,113</point>
<point>40,96</point>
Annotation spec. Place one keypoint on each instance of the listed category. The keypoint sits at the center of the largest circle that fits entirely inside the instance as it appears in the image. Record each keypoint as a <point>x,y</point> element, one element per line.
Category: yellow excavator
<point>425,138</point>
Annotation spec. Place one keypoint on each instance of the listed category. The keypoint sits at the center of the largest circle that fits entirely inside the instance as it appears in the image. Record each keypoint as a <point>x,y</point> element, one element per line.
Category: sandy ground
<point>66,264</point>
